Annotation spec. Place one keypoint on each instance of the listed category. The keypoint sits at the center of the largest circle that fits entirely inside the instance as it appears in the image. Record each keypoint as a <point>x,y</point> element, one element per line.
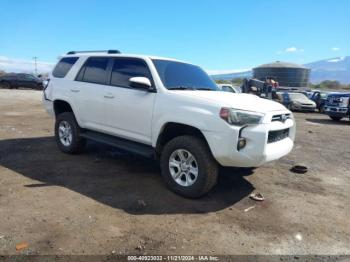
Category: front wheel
<point>188,167</point>
<point>67,134</point>
<point>336,118</point>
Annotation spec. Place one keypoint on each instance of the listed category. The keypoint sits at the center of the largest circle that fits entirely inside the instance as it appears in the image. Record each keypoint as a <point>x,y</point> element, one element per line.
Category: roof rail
<point>99,51</point>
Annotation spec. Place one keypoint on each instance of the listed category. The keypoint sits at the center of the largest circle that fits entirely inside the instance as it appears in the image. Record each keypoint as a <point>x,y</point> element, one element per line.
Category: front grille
<point>334,100</point>
<point>281,118</point>
<point>277,135</point>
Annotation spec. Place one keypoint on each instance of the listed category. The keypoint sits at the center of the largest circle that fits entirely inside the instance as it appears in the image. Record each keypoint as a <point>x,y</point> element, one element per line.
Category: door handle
<point>108,96</point>
<point>75,90</point>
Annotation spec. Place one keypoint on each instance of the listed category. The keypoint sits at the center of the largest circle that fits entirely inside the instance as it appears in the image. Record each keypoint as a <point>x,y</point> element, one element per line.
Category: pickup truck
<point>167,109</point>
<point>338,106</point>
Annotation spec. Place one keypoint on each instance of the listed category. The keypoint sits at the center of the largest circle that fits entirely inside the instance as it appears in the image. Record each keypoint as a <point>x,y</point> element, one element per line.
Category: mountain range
<point>337,68</point>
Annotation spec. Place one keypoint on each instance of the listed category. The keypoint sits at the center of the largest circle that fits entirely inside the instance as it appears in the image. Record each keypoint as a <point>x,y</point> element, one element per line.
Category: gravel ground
<point>104,201</point>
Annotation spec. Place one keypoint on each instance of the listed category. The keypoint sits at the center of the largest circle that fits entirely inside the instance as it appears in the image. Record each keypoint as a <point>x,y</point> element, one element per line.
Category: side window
<point>29,77</point>
<point>228,89</point>
<point>21,77</point>
<point>63,66</point>
<point>94,70</point>
<point>125,68</point>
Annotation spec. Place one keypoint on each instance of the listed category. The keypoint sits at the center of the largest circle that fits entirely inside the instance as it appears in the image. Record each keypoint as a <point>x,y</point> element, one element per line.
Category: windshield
<point>177,75</point>
<point>297,96</point>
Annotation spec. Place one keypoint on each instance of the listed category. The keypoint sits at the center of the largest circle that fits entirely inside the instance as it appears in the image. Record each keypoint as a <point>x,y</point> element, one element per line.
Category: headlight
<point>240,117</point>
<point>345,101</point>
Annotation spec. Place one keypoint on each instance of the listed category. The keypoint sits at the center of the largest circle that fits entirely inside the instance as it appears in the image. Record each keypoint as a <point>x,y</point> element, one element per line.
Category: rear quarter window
<point>95,70</point>
<point>63,66</point>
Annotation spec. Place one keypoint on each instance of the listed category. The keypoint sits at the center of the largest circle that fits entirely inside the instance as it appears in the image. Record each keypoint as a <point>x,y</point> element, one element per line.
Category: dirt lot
<point>104,201</point>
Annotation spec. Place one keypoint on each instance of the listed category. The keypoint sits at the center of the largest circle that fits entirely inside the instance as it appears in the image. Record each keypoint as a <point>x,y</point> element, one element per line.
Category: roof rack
<point>99,51</point>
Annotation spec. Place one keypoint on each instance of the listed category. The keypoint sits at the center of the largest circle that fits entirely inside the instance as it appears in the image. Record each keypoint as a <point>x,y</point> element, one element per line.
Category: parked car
<point>164,108</point>
<point>295,101</point>
<point>229,88</point>
<point>21,80</point>
<point>320,97</point>
<point>338,106</point>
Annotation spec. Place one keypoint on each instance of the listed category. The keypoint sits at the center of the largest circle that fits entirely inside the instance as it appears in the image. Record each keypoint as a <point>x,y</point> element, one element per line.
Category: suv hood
<point>339,95</point>
<point>240,101</point>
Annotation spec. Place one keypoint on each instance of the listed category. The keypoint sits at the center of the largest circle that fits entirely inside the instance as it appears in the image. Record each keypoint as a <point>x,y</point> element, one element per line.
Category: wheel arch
<point>62,105</point>
<point>171,130</point>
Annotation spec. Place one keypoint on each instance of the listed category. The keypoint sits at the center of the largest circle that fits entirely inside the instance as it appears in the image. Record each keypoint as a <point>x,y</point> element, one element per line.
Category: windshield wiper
<point>206,89</point>
<point>181,88</point>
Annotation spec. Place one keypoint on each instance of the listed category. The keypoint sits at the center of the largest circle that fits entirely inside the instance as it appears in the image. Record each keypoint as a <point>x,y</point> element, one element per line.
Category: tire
<point>207,167</point>
<point>70,142</point>
<point>6,85</point>
<point>336,118</point>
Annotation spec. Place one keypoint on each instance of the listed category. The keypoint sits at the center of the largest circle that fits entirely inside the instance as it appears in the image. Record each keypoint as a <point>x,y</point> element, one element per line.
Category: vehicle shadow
<point>114,178</point>
<point>325,121</point>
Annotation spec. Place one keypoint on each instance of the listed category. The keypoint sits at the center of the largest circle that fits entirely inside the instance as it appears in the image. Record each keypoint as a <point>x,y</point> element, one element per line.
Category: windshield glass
<point>297,96</point>
<point>177,75</point>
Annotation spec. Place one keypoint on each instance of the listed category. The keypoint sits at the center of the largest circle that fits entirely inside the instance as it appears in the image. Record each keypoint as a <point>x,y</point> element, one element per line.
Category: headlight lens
<point>345,101</point>
<point>240,117</point>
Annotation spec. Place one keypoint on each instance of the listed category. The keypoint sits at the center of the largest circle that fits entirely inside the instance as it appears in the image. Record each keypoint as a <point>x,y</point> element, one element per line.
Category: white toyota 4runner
<point>165,108</point>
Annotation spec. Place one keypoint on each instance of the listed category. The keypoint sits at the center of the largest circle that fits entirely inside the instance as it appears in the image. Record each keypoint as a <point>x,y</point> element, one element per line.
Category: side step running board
<point>130,146</point>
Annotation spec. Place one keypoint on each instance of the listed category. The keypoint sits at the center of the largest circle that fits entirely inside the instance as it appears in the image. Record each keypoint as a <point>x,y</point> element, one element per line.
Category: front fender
<point>196,117</point>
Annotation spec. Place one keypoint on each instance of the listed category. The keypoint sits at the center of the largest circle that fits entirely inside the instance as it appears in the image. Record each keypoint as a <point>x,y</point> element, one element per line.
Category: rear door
<point>89,93</point>
<point>130,109</point>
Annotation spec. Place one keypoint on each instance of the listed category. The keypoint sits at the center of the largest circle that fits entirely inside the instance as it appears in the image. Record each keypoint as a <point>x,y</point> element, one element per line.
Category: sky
<point>221,36</point>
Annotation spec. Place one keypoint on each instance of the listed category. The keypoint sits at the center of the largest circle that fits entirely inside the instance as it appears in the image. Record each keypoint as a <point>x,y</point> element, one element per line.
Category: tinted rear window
<point>125,68</point>
<point>63,66</point>
<point>95,70</point>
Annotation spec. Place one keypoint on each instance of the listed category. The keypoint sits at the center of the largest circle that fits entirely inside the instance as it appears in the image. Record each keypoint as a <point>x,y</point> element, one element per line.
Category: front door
<point>130,110</point>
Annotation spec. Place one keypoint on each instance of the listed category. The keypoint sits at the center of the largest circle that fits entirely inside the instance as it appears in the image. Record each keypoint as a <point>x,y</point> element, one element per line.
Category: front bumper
<point>336,111</point>
<point>258,149</point>
<point>301,107</point>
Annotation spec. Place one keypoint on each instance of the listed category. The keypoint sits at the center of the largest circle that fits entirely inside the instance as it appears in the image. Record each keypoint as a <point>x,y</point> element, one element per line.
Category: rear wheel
<point>336,118</point>
<point>67,134</point>
<point>188,167</point>
<point>5,85</point>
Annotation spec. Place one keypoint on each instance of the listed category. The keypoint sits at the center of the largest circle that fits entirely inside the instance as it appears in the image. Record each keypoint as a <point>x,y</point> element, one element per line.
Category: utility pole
<point>36,69</point>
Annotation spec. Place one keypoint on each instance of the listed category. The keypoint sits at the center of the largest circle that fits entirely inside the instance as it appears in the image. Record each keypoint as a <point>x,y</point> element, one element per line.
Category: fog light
<point>241,143</point>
